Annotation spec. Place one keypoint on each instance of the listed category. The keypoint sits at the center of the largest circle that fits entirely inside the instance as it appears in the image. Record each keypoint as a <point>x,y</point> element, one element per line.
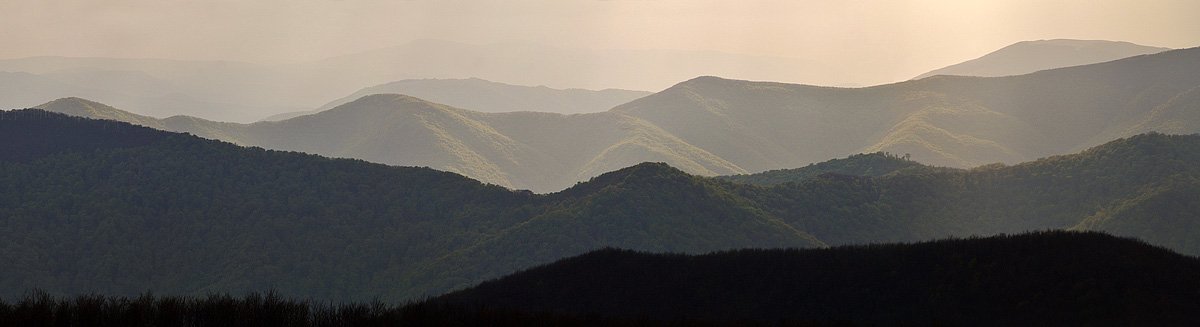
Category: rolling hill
<point>868,164</point>
<point>1031,56</point>
<point>1049,278</point>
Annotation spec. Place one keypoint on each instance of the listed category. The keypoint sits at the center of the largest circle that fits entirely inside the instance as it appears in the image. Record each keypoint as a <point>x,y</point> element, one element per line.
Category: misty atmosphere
<point>599,163</point>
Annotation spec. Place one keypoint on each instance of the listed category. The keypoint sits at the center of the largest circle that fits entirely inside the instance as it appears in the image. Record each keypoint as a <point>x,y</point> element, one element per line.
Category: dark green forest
<point>107,207</point>
<point>269,309</point>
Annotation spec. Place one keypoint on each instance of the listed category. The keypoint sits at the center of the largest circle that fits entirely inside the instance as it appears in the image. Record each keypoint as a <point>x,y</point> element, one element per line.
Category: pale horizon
<point>869,42</point>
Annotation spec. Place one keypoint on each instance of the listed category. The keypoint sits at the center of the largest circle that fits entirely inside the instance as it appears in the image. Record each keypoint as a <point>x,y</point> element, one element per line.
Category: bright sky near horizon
<point>899,39</point>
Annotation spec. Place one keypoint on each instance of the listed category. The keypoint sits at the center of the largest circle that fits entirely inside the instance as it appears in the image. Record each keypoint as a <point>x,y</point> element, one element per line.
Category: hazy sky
<point>898,39</point>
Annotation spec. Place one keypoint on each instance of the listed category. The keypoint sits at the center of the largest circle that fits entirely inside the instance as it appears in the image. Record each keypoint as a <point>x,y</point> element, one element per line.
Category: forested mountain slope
<point>93,205</point>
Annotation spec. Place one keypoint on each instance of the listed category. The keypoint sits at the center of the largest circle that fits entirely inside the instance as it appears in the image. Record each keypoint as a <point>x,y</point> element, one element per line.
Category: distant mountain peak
<point>707,81</point>
<point>1030,56</point>
<point>76,106</point>
<point>646,171</point>
<point>390,101</point>
<point>1074,43</point>
<point>483,95</point>
<point>72,101</point>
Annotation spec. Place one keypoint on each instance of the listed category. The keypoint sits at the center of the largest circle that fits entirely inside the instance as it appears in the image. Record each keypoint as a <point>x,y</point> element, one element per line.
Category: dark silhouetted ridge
<point>1047,278</point>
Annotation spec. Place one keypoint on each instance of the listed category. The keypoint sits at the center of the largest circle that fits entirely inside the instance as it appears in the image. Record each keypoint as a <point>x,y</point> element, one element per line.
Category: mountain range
<point>106,206</point>
<point>1030,56</point>
<point>247,92</point>
<point>715,126</point>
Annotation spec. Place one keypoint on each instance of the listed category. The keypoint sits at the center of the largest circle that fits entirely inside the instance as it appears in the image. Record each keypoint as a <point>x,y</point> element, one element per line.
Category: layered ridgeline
<point>1053,278</point>
<point>944,120</point>
<point>487,96</point>
<point>714,126</point>
<point>1031,56</point>
<point>90,205</point>
<point>246,92</point>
